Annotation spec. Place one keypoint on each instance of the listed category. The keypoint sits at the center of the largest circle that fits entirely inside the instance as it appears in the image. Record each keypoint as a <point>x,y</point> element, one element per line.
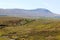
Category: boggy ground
<point>12,28</point>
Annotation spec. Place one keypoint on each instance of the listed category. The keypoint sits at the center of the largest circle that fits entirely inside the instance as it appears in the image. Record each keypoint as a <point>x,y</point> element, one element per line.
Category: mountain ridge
<point>40,12</point>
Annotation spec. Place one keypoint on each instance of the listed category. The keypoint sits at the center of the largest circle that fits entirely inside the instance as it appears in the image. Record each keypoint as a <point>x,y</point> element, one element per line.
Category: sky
<point>52,5</point>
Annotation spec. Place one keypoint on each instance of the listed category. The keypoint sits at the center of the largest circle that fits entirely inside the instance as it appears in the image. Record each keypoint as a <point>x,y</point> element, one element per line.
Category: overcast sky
<point>52,5</point>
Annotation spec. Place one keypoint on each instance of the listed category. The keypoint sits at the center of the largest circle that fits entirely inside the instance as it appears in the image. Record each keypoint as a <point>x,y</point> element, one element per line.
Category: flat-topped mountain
<point>40,12</point>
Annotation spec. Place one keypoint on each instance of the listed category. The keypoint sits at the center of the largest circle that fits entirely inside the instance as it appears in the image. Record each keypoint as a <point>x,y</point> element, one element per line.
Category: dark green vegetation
<point>12,28</point>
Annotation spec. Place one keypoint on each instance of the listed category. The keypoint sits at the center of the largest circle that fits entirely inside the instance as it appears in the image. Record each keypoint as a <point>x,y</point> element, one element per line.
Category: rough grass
<point>29,29</point>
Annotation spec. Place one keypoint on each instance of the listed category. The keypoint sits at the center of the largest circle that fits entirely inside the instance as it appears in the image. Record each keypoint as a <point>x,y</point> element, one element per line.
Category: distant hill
<point>36,13</point>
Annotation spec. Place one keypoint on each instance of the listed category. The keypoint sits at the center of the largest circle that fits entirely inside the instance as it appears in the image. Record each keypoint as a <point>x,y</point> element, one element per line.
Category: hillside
<point>13,28</point>
<point>34,13</point>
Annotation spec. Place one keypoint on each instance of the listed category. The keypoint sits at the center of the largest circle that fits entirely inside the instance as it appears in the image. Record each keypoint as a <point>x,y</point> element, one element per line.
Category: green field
<point>12,28</point>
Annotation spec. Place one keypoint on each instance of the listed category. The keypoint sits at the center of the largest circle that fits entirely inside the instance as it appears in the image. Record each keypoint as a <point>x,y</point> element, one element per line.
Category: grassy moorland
<point>12,28</point>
